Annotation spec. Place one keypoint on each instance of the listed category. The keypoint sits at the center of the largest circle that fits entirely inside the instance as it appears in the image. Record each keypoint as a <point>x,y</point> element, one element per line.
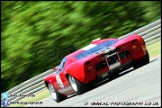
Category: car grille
<point>100,65</point>
<point>113,59</point>
<point>124,54</point>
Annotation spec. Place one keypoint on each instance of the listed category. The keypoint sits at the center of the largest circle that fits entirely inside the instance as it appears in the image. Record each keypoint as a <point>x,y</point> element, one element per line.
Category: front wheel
<point>145,60</point>
<point>77,86</point>
<point>55,94</point>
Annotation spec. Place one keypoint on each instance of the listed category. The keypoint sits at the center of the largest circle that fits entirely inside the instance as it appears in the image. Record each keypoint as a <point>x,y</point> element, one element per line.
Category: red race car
<point>101,59</point>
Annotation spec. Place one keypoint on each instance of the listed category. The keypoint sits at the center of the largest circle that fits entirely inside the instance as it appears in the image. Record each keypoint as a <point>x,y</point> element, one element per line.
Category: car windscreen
<point>61,66</point>
<point>95,49</point>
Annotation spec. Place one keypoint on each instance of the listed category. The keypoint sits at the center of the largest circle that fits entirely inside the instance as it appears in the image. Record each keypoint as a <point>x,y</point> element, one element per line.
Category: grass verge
<point>154,49</point>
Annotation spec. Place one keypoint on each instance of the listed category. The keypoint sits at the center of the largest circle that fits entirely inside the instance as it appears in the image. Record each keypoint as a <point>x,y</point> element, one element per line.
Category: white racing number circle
<point>59,81</point>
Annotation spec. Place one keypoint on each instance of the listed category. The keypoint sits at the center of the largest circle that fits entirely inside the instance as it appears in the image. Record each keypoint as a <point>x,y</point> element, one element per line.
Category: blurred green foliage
<point>37,35</point>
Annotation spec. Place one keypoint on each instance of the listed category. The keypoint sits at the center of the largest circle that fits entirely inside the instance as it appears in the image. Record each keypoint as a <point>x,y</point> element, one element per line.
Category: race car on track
<point>101,59</point>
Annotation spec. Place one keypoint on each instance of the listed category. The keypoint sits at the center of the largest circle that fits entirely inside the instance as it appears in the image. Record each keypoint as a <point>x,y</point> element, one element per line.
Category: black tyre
<point>77,86</point>
<point>145,60</point>
<point>55,94</point>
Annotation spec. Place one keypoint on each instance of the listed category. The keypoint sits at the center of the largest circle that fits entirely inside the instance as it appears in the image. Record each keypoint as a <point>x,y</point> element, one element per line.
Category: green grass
<point>153,49</point>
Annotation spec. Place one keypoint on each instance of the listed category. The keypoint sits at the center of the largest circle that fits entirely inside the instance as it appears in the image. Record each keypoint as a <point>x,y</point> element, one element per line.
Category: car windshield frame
<point>97,48</point>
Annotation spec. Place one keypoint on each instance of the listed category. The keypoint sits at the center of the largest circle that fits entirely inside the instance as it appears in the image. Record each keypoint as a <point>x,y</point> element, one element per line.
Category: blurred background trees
<point>35,36</point>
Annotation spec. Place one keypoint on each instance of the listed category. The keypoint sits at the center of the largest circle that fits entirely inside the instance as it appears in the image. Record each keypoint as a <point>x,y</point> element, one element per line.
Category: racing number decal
<point>59,81</point>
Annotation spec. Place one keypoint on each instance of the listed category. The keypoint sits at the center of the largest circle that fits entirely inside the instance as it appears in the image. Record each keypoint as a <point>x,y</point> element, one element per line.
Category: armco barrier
<point>150,33</point>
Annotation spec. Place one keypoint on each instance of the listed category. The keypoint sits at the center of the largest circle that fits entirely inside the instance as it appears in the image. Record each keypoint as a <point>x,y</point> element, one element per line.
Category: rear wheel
<point>55,94</point>
<point>145,60</point>
<point>77,86</point>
